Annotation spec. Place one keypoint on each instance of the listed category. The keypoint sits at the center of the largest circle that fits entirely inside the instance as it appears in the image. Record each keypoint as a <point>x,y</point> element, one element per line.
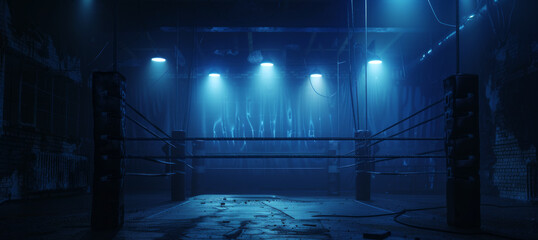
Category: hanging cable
<point>158,161</point>
<point>313,88</point>
<point>150,174</point>
<point>436,18</point>
<point>190,79</point>
<point>404,211</point>
<point>350,42</point>
<point>400,173</point>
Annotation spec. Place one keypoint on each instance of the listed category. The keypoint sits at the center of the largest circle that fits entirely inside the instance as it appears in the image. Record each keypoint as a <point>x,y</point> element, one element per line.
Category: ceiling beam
<point>341,49</point>
<point>310,42</point>
<point>294,29</point>
<point>250,42</point>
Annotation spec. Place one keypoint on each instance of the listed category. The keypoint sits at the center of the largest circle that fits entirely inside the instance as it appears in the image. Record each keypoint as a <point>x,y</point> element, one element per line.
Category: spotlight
<point>158,59</point>
<point>214,75</point>
<point>375,61</point>
<point>266,64</point>
<point>316,75</point>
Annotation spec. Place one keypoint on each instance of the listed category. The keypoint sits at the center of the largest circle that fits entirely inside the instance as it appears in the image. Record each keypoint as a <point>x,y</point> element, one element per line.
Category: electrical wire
<point>436,18</point>
<point>313,88</point>
<point>98,55</point>
<point>402,212</point>
<point>186,118</point>
<point>380,215</point>
<point>399,173</point>
<point>350,63</point>
<point>479,232</point>
<point>150,174</point>
<point>185,163</point>
<point>158,161</point>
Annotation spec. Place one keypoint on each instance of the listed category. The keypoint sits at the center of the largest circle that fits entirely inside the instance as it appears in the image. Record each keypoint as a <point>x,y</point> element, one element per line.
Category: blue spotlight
<point>377,61</point>
<point>266,64</point>
<point>316,83</point>
<point>214,75</point>
<point>158,59</point>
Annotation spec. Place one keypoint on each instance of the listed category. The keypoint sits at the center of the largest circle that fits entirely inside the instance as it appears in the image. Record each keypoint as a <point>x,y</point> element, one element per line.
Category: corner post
<point>178,183</point>
<point>462,146</point>
<point>198,148</point>
<point>363,168</point>
<point>108,91</point>
<point>333,173</point>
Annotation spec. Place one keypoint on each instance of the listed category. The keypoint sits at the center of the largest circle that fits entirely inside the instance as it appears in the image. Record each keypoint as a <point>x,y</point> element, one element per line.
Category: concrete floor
<point>262,217</point>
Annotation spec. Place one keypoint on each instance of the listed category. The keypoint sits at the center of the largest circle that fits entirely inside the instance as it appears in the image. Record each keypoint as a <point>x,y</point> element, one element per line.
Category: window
<point>28,99</point>
<point>44,103</point>
<point>59,105</point>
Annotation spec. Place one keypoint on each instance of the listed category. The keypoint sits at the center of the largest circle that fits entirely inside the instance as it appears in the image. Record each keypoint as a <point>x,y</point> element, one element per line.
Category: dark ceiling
<point>146,27</point>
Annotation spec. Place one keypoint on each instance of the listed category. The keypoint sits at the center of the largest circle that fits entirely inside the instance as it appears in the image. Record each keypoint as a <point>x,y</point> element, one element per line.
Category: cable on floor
<point>402,212</point>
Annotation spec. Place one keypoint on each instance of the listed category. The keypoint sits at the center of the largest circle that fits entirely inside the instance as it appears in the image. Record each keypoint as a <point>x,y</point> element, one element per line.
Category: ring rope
<point>387,159</point>
<point>147,120</point>
<point>286,156</point>
<point>151,132</point>
<point>410,116</point>
<point>409,128</point>
<point>283,139</point>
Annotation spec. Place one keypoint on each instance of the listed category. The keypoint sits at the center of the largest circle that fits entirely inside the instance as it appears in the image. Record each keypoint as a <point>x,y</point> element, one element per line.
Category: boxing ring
<point>461,151</point>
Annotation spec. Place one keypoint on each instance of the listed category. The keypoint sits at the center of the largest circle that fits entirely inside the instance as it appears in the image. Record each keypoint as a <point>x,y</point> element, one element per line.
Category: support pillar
<point>198,148</point>
<point>462,147</point>
<point>108,90</point>
<point>3,47</point>
<point>177,183</point>
<point>167,152</point>
<point>333,173</point>
<point>362,176</point>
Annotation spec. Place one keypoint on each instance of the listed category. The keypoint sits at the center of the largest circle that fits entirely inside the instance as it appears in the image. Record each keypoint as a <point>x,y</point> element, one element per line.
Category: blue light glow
<point>375,62</point>
<point>214,75</point>
<point>158,59</point>
<point>317,85</point>
<point>266,64</point>
<point>477,14</point>
<point>267,77</point>
<point>215,84</point>
<point>214,90</point>
<point>375,73</point>
<point>86,3</point>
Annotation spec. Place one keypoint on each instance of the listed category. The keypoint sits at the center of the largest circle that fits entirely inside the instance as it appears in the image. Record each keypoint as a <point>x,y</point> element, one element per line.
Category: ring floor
<point>151,216</point>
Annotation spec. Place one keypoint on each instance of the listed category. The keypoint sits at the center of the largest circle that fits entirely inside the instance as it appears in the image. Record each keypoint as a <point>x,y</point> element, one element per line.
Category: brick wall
<point>510,108</point>
<point>4,31</point>
<point>510,170</point>
<point>506,60</point>
<point>33,150</point>
<point>21,173</point>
